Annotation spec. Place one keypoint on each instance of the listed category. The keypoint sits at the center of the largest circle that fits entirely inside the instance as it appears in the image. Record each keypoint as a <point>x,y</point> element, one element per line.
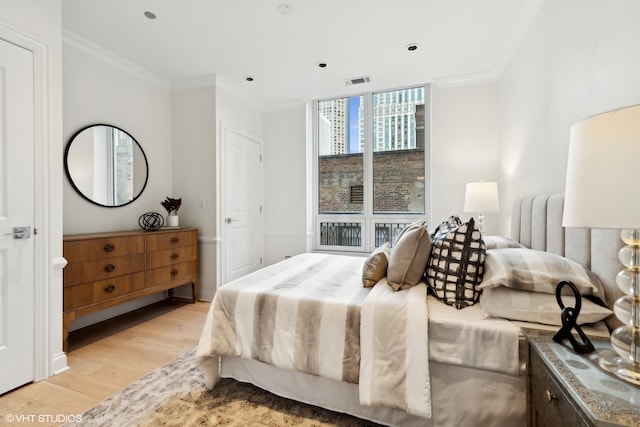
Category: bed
<point>307,329</point>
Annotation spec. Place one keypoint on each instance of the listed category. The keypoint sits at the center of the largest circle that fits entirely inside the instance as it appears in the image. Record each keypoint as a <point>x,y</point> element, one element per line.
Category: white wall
<point>201,108</point>
<point>285,184</point>
<point>98,91</point>
<point>194,172</point>
<point>41,20</point>
<point>464,148</point>
<point>579,58</point>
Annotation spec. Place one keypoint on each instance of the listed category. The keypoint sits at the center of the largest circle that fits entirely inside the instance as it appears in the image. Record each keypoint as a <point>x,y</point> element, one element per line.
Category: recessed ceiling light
<point>322,64</point>
<point>249,78</point>
<point>412,47</point>
<point>150,15</point>
<point>284,9</point>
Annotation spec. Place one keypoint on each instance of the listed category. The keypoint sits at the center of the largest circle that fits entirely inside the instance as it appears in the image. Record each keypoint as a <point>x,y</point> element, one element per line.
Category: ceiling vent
<point>358,80</point>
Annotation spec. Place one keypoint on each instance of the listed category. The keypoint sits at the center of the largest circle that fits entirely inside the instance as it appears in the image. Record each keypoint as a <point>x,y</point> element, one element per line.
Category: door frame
<point>47,320</point>
<point>222,179</point>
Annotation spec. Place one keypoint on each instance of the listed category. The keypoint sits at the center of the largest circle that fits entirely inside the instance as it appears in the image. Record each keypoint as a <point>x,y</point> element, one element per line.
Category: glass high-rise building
<point>393,124</point>
<point>394,119</point>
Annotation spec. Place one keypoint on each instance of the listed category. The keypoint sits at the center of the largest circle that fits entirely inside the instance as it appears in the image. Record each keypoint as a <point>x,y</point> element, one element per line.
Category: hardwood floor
<point>105,358</point>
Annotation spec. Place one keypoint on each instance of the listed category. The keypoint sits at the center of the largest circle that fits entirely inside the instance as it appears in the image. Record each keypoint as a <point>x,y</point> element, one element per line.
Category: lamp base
<point>611,362</point>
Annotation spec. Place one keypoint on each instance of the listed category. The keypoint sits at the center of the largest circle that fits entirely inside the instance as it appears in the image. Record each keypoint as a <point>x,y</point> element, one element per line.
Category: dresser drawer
<point>158,276</point>
<point>550,404</point>
<point>171,256</point>
<point>91,293</point>
<point>89,271</point>
<point>175,239</point>
<point>108,247</point>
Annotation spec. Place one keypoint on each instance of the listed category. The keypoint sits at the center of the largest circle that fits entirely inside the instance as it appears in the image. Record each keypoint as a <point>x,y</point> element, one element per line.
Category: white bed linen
<point>394,337</point>
<point>312,309</point>
<point>475,365</point>
<point>463,338</point>
<point>462,397</point>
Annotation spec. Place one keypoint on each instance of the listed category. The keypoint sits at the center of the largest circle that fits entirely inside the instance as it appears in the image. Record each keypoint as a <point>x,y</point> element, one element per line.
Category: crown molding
<point>195,83</point>
<point>76,42</point>
<point>466,79</point>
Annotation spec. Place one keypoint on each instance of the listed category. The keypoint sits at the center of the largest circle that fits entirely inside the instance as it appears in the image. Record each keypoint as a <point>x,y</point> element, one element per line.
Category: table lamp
<point>603,191</point>
<point>481,197</point>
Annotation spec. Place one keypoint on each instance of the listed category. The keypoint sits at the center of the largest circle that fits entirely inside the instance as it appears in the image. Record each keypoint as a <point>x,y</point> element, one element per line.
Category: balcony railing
<point>340,234</point>
<point>350,233</point>
<point>388,232</point>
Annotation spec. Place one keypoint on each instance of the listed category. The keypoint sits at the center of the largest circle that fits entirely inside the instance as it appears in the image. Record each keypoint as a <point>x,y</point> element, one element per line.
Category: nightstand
<point>565,388</point>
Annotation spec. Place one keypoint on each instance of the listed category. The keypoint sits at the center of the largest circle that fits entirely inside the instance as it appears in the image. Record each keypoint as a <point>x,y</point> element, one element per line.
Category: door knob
<point>20,233</point>
<point>229,220</point>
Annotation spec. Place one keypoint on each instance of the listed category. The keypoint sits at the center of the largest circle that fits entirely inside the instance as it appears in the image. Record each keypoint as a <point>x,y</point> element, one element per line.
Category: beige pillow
<point>375,266</point>
<point>409,256</point>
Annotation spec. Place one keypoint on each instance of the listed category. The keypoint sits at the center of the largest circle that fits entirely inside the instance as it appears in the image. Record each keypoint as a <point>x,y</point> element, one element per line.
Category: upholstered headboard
<point>537,223</point>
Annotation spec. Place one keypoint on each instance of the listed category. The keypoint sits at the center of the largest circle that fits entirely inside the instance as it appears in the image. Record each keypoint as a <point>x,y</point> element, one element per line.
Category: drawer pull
<point>175,256</point>
<point>109,268</point>
<point>174,272</point>
<point>110,288</point>
<point>550,396</point>
<point>174,240</point>
<point>109,247</point>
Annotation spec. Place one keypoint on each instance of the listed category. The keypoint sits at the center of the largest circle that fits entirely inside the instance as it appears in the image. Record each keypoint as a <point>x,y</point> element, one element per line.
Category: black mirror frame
<point>84,196</point>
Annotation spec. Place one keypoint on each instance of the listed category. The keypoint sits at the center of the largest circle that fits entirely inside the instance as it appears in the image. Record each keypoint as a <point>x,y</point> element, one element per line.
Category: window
<point>370,167</point>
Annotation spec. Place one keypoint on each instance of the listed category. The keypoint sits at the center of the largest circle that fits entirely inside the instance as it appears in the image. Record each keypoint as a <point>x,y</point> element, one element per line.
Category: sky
<point>354,125</point>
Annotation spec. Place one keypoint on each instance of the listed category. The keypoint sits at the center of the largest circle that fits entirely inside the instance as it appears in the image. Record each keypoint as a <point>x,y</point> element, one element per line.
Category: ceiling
<point>459,41</point>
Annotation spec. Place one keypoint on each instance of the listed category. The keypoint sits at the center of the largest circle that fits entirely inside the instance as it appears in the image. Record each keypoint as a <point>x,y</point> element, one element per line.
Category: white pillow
<point>536,307</point>
<point>537,271</point>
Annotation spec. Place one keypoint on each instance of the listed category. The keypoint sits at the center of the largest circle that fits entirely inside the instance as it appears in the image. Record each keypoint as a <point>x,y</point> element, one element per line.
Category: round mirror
<point>106,165</point>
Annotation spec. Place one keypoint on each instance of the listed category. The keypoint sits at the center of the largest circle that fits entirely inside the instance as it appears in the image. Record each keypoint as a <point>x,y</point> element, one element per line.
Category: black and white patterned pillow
<point>456,265</point>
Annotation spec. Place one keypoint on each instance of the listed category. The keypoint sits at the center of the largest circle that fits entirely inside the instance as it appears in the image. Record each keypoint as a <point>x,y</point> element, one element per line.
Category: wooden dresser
<point>106,269</point>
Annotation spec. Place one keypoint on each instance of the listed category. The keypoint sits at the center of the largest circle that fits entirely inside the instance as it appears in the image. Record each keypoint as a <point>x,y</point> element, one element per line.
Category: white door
<point>17,209</point>
<point>243,205</point>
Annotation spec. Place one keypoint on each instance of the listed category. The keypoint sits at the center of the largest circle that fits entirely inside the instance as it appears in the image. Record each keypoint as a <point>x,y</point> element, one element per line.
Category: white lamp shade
<point>603,171</point>
<point>481,197</point>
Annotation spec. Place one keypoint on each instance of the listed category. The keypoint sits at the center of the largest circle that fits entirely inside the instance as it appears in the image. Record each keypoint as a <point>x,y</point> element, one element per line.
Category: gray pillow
<point>409,256</point>
<point>537,271</point>
<point>500,242</point>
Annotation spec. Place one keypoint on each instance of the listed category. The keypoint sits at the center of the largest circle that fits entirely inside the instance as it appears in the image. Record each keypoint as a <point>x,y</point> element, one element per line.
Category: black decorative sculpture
<point>151,221</point>
<point>569,317</point>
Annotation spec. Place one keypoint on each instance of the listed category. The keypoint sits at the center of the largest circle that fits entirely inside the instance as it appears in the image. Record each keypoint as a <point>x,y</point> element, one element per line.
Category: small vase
<point>173,220</point>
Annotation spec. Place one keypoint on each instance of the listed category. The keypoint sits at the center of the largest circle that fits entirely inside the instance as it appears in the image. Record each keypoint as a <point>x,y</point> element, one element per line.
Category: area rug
<point>175,395</point>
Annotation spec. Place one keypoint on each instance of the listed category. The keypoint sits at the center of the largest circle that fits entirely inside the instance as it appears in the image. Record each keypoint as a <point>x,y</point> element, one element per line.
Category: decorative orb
<point>151,221</point>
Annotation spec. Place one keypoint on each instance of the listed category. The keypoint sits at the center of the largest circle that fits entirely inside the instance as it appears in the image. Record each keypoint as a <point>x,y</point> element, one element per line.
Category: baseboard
<point>59,363</point>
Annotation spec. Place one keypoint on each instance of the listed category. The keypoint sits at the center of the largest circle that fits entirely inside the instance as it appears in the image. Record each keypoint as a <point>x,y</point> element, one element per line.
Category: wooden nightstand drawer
<point>171,273</point>
<point>109,247</point>
<point>77,273</point>
<point>91,293</point>
<point>175,239</point>
<point>550,404</point>
<point>171,256</point>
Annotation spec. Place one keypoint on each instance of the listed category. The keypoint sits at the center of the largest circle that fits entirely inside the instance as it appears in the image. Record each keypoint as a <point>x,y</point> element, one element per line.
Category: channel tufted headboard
<point>537,223</point>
